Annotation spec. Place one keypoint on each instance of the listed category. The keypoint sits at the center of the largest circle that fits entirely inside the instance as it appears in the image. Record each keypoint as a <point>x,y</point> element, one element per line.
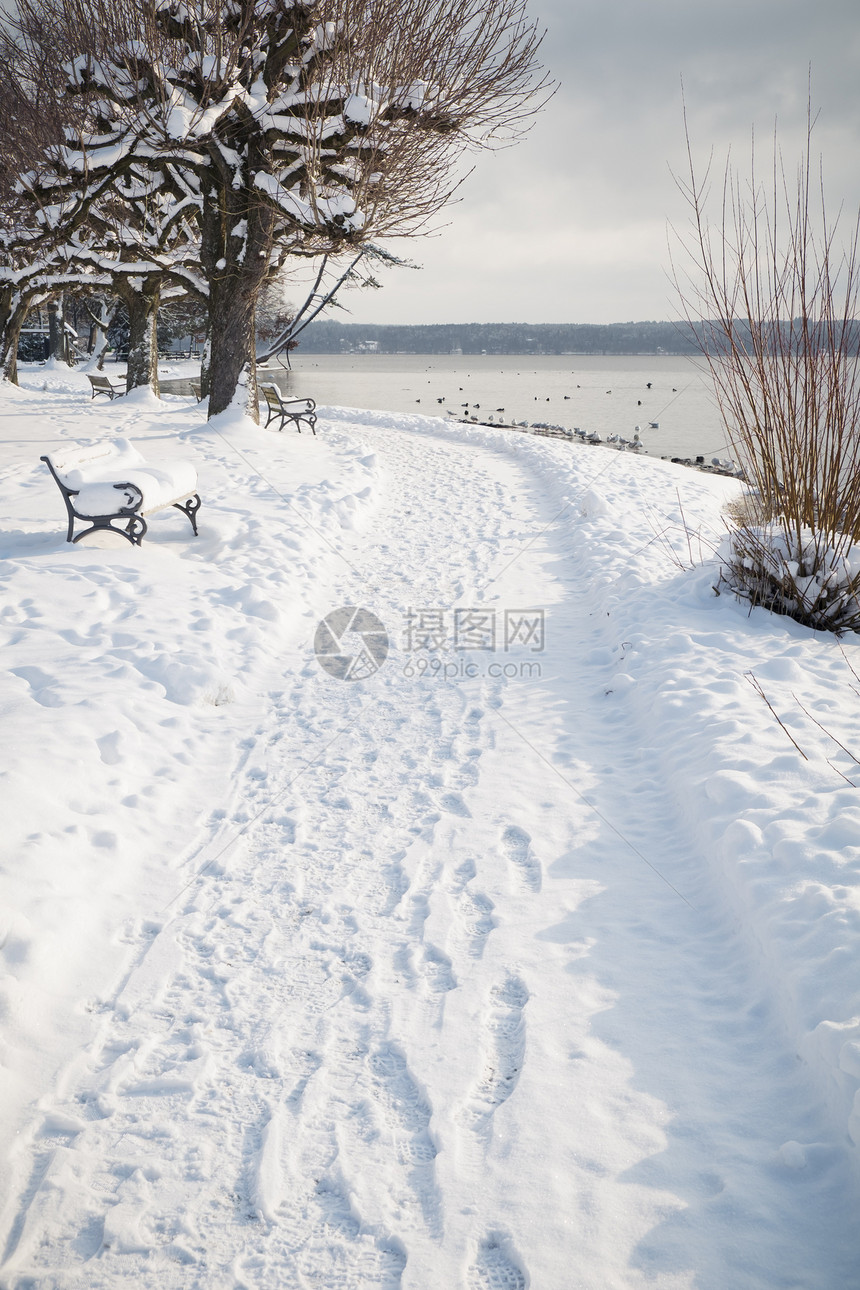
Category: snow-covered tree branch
<point>280,128</point>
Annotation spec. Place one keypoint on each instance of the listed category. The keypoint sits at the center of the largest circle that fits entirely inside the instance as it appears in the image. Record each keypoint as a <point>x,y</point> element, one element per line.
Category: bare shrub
<point>771,291</point>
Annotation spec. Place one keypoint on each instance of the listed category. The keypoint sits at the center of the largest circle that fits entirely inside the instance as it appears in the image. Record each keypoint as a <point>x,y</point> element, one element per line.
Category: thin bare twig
<point>753,680</point>
<point>824,729</point>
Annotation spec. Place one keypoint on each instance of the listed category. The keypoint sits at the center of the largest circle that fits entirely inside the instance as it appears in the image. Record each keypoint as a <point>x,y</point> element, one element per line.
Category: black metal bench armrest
<point>127,509</point>
<point>295,410</point>
<point>125,518</point>
<point>309,405</point>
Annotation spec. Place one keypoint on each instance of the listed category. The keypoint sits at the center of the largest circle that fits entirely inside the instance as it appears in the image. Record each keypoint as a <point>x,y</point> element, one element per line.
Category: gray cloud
<point>571,224</point>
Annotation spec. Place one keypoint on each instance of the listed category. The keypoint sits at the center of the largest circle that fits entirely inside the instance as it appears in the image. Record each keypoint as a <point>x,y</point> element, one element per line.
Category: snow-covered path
<point>452,996</point>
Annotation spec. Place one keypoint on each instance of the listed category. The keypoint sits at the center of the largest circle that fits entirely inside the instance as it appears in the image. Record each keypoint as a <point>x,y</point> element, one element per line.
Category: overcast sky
<point>571,225</point>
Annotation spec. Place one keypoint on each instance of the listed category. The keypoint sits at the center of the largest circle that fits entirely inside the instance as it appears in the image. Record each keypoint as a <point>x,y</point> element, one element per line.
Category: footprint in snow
<point>403,1105</point>
<point>453,803</point>
<point>474,908</point>
<point>468,774</point>
<point>109,747</point>
<point>438,970</point>
<point>287,825</point>
<point>506,1049</point>
<point>464,873</point>
<point>476,911</point>
<point>495,1267</point>
<point>516,844</point>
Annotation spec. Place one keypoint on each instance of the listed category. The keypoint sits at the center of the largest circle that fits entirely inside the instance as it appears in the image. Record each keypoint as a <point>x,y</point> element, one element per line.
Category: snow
<point>826,594</point>
<point>337,209</point>
<point>359,109</point>
<point>186,121</point>
<point>496,968</point>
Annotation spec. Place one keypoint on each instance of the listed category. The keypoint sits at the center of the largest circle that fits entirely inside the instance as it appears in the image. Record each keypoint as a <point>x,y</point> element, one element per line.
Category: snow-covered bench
<point>296,410</point>
<point>109,385</point>
<point>110,487</point>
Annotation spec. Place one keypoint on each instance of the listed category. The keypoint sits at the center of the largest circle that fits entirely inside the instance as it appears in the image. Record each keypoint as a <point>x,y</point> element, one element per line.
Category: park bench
<point>111,487</point>
<point>296,410</point>
<point>109,385</point>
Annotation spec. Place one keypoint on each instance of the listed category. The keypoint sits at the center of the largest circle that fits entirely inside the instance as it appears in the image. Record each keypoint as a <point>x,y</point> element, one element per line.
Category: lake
<point>609,395</point>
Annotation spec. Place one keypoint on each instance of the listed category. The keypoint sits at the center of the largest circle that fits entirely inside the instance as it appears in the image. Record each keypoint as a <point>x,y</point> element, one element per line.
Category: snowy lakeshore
<point>528,959</point>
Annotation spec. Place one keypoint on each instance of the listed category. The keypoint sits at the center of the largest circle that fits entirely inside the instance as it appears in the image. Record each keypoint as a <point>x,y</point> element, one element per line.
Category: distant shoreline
<point>549,340</point>
<point>576,340</point>
<point>504,353</point>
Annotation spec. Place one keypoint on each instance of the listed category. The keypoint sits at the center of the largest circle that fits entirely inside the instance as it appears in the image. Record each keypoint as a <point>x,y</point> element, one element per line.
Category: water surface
<point>607,394</point>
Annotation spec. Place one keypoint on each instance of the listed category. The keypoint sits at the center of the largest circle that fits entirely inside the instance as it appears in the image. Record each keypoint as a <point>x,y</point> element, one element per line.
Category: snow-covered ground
<point>499,968</point>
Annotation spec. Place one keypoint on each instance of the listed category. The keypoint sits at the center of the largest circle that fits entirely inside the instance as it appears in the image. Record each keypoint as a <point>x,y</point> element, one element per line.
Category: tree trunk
<point>6,311</point>
<point>99,347</point>
<point>97,350</point>
<point>11,336</point>
<point>142,342</point>
<point>99,329</point>
<point>236,238</point>
<point>206,365</point>
<point>55,331</point>
<point>232,363</point>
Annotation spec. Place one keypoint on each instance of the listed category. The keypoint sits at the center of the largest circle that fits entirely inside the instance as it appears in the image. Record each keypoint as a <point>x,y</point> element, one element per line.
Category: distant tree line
<point>331,337</point>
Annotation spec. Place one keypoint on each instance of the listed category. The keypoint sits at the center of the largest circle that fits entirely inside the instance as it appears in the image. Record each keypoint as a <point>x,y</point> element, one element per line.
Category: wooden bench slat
<point>112,386</point>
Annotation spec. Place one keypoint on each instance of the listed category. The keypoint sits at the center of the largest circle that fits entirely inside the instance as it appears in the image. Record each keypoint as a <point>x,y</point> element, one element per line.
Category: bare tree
<point>130,227</point>
<point>298,127</point>
<point>29,125</point>
<point>143,234</point>
<point>78,216</point>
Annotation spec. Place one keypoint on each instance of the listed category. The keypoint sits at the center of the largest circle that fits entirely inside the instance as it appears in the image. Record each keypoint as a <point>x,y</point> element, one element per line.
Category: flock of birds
<point>471,413</point>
